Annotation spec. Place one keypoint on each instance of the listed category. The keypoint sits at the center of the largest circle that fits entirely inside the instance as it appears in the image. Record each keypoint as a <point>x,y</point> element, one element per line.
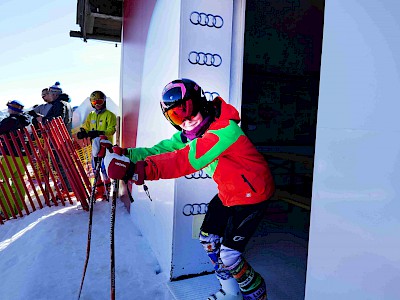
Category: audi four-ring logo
<point>202,58</point>
<point>195,209</point>
<point>198,175</point>
<point>211,95</point>
<point>203,19</point>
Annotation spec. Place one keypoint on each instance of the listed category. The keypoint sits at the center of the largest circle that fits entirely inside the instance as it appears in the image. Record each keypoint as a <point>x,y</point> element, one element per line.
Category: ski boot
<point>65,195</point>
<point>100,191</point>
<point>229,290</point>
<point>221,294</point>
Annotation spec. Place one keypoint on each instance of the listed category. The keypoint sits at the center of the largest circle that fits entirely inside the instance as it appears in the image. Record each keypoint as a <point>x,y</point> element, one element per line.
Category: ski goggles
<point>97,101</point>
<point>181,112</point>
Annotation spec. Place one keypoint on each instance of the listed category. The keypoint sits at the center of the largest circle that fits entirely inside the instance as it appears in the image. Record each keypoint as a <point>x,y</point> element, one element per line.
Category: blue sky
<point>36,51</point>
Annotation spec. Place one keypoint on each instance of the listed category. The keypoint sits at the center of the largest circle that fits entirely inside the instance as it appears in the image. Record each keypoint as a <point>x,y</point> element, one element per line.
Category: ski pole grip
<point>117,150</point>
<point>103,147</point>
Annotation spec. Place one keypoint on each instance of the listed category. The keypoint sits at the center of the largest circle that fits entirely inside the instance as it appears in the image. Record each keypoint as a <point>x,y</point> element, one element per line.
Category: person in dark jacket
<point>16,120</point>
<point>209,138</point>
<point>60,106</point>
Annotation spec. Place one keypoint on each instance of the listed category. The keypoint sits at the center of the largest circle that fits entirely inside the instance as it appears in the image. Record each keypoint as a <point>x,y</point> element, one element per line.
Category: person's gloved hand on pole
<point>100,145</point>
<point>120,167</point>
<point>82,134</point>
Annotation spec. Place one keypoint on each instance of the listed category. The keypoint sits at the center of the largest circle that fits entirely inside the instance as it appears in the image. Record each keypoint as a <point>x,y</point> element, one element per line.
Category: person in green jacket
<point>208,138</point>
<point>100,121</point>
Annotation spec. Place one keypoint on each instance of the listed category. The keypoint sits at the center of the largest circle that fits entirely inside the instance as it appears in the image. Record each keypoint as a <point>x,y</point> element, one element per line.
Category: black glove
<point>82,134</point>
<point>34,114</point>
<point>94,133</point>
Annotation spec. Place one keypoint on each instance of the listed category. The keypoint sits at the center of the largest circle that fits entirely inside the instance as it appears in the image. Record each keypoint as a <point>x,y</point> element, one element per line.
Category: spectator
<point>59,108</point>
<point>100,121</point>
<point>16,120</point>
<point>42,109</point>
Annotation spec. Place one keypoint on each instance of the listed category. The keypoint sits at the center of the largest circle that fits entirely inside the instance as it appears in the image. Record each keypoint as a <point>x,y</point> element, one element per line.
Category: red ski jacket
<point>223,151</point>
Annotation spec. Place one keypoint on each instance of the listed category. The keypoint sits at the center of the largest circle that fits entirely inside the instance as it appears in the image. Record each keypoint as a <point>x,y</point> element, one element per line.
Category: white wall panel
<point>354,240</point>
<point>360,67</point>
<point>171,37</point>
<point>155,218</point>
<point>188,255</point>
<point>207,39</point>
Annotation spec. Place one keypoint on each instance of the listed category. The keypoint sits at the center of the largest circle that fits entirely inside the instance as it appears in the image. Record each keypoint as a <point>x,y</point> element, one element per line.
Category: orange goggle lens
<point>178,114</point>
<point>97,101</point>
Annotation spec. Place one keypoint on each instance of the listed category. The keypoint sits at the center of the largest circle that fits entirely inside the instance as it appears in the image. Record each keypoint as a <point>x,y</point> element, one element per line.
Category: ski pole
<point>92,200</point>
<point>112,245</point>
<point>115,192</point>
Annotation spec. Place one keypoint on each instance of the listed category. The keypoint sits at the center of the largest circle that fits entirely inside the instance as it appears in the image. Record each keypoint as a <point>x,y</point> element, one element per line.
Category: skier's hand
<point>82,134</point>
<point>120,167</point>
<point>140,173</point>
<point>100,145</point>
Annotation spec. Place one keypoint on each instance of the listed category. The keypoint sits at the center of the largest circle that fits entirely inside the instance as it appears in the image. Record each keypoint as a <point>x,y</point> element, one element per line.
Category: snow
<point>42,256</point>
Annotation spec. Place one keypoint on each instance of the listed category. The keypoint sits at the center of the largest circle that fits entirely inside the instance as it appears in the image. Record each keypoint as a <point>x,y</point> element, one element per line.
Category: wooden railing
<point>30,168</point>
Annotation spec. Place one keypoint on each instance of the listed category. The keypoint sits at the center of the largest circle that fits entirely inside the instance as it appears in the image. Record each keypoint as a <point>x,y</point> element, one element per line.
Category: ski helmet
<point>181,99</point>
<point>99,98</point>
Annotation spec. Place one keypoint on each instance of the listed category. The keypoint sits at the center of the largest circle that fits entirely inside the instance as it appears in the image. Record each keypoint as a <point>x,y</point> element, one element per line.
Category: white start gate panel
<point>193,40</point>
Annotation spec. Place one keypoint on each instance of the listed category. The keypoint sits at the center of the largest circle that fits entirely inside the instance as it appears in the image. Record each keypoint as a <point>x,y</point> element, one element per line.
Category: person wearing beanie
<point>59,108</point>
<point>55,88</point>
<point>15,107</point>
<point>100,121</point>
<point>16,120</point>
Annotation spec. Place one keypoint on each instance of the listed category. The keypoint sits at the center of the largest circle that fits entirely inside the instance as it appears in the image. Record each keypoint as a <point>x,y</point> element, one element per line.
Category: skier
<point>209,137</point>
<point>100,121</point>
<point>16,120</point>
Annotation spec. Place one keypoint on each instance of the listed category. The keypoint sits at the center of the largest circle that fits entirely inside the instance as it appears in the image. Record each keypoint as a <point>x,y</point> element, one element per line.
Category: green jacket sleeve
<point>196,155</point>
<point>175,143</point>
